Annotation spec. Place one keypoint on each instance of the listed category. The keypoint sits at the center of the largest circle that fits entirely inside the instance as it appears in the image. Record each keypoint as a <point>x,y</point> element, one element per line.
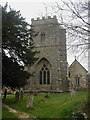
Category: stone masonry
<point>78,76</point>
<point>50,71</point>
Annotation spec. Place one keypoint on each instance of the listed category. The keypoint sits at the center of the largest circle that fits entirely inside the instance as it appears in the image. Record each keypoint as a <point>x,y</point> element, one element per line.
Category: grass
<point>7,114</point>
<point>56,106</point>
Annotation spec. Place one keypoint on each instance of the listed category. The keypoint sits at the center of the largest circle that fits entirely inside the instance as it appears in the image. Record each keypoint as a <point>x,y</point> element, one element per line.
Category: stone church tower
<point>50,71</point>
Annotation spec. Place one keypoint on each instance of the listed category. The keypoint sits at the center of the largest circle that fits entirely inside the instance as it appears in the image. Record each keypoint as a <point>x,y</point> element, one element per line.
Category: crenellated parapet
<point>44,18</point>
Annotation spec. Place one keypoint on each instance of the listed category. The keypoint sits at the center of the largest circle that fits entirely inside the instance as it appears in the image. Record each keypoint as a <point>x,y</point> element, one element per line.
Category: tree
<point>13,74</point>
<point>74,17</point>
<point>17,48</point>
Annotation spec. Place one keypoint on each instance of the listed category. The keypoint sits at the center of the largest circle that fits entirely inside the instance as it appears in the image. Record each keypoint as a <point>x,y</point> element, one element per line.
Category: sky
<point>36,8</point>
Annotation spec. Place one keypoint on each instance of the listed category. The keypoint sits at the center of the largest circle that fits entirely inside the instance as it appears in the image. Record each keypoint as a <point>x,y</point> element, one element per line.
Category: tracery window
<point>44,75</point>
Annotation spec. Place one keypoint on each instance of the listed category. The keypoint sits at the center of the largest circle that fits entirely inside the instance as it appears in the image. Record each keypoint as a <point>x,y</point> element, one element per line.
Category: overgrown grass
<point>56,106</point>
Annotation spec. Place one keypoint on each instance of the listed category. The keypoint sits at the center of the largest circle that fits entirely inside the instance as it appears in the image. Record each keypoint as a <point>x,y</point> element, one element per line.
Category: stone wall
<point>76,70</point>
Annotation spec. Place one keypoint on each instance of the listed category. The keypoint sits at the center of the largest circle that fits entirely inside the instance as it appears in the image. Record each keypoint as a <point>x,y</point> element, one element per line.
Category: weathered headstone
<point>17,96</point>
<point>21,94</point>
<point>73,93</point>
<point>30,102</point>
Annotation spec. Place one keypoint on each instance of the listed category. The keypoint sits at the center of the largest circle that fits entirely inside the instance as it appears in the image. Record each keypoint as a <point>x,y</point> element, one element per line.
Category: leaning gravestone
<point>73,93</point>
<point>17,96</point>
<point>30,102</point>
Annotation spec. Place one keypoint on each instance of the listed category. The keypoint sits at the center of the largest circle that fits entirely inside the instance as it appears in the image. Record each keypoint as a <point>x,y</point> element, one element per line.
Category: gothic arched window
<point>44,75</point>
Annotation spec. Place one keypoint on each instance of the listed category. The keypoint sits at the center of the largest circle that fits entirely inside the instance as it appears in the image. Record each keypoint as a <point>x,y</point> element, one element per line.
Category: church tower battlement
<point>44,18</point>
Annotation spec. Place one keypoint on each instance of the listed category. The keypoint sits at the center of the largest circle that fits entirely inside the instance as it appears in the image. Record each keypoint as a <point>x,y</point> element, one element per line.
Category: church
<point>77,76</point>
<point>50,71</point>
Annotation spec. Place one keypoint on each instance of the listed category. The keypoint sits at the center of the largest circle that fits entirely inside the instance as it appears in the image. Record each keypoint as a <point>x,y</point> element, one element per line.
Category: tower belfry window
<point>44,75</point>
<point>42,36</point>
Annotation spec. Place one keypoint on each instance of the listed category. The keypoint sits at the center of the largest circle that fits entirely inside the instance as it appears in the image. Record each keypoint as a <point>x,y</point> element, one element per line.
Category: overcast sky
<point>33,9</point>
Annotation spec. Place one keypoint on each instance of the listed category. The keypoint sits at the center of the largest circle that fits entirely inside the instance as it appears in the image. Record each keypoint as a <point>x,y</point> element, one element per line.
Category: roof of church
<point>78,63</point>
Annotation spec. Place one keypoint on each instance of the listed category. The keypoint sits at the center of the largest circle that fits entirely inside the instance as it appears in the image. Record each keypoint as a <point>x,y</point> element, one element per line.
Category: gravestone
<point>30,102</point>
<point>17,96</point>
<point>73,93</point>
<point>21,94</point>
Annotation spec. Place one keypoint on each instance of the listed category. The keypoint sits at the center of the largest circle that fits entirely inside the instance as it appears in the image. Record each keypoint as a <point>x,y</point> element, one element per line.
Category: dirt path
<point>19,114</point>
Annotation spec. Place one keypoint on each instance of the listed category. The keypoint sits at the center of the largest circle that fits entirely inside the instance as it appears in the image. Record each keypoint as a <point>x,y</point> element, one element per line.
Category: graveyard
<point>53,106</point>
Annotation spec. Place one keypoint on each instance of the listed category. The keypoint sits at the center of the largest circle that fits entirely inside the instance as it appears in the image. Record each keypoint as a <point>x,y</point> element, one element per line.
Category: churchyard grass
<point>7,114</point>
<point>56,106</point>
